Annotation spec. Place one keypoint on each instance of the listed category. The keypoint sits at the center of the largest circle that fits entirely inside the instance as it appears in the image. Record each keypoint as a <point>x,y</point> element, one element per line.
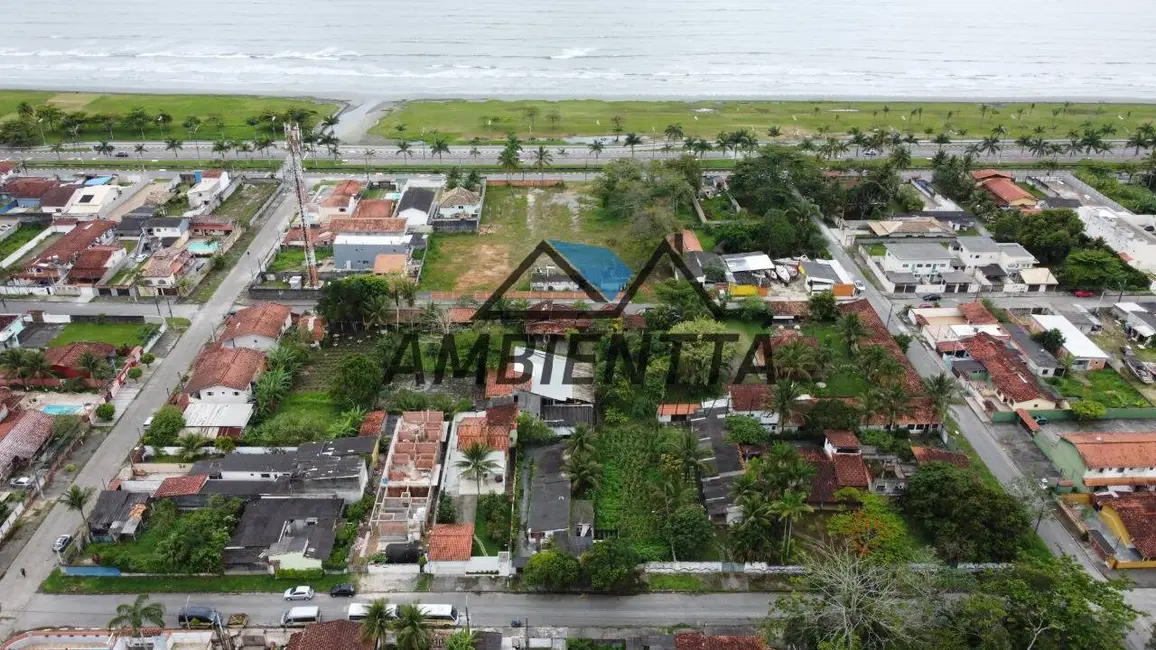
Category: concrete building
<point>495,428</point>
<point>225,375</point>
<point>923,260</point>
<point>257,328</point>
<point>93,202</point>
<point>1085,354</point>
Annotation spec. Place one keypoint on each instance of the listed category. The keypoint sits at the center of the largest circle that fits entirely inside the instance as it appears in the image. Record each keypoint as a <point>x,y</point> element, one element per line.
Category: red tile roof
<point>92,264</point>
<point>312,324</point>
<point>505,415</point>
<point>58,197</point>
<point>331,635</point>
<point>851,471</point>
<point>1100,450</point>
<point>211,223</point>
<point>677,409</point>
<point>30,430</point>
<point>68,356</point>
<point>181,486</point>
<point>266,320</point>
<point>930,455</point>
<point>229,367</point>
<point>984,174</point>
<point>166,262</point>
<point>1137,511</point>
<point>1008,373</point>
<point>451,542</point>
<point>341,194</point>
<point>74,241</point>
<point>833,474</point>
<point>843,438</point>
<point>371,425</point>
<point>373,209</point>
<point>697,641</point>
<point>494,388</point>
<point>1006,192</point>
<point>878,334</point>
<point>977,314</point>
<point>684,242</point>
<point>476,429</point>
<point>749,397</point>
<point>29,187</point>
<point>355,224</point>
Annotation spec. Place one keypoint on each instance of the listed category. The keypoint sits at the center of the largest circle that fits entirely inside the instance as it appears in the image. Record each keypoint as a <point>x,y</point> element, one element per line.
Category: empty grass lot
<point>57,583</point>
<point>22,236</point>
<point>233,110</point>
<point>112,333</point>
<point>462,120</point>
<point>1104,386</point>
<point>844,381</point>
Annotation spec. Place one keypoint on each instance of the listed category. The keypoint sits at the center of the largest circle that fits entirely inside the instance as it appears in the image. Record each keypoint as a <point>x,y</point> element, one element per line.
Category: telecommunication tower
<point>295,169</point>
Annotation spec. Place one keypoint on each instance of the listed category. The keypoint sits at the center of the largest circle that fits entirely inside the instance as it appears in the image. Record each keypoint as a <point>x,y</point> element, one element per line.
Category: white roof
<point>1129,306</point>
<point>1016,250</point>
<point>205,414</point>
<point>373,240</point>
<point>1038,275</point>
<point>206,185</point>
<point>1075,342</point>
<point>748,262</point>
<point>555,385</point>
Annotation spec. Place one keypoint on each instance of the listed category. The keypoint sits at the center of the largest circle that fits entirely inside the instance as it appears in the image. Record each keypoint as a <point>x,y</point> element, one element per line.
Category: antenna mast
<point>293,145</point>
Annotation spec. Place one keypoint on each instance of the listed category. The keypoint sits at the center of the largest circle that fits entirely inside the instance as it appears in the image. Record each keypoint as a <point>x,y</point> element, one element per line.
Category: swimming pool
<point>202,247</point>
<point>392,196</point>
<point>62,409</point>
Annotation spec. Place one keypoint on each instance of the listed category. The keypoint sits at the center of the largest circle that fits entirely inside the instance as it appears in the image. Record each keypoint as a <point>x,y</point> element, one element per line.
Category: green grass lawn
<point>309,402</point>
<point>233,110</point>
<point>877,250</point>
<point>1104,386</point>
<point>518,219</point>
<point>845,381</point>
<point>462,120</point>
<point>113,333</point>
<point>57,583</point>
<point>22,236</point>
<point>245,201</point>
<point>288,259</point>
<point>481,533</point>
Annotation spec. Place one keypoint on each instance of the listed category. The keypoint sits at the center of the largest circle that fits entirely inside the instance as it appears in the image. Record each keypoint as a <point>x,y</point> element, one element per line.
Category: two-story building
<point>1111,461</point>
<point>257,328</point>
<point>1085,354</point>
<point>923,260</point>
<point>340,201</point>
<point>994,373</point>
<point>93,201</point>
<point>226,375</point>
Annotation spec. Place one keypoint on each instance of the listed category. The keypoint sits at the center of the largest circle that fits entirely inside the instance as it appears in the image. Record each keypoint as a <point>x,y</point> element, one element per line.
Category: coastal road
<point>486,610</point>
<point>36,559</point>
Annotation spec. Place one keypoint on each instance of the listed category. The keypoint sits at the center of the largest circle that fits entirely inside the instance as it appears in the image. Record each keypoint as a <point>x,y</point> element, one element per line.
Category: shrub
<point>552,569</point>
<point>106,411</point>
<point>532,431</point>
<point>166,426</point>
<point>224,444</point>
<point>301,575</point>
<point>1087,409</point>
<point>745,430</point>
<point>447,511</point>
<point>148,358</point>
<point>70,468</point>
<point>135,373</point>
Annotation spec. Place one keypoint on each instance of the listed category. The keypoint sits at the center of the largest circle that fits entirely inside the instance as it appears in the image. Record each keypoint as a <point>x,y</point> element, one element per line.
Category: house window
<point>209,393</point>
<point>236,393</point>
<point>265,476</point>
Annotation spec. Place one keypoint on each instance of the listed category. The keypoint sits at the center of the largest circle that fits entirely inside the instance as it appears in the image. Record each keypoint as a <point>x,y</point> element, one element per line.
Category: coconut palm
<point>476,463</point>
<point>785,394</point>
<point>596,148</point>
<point>542,159</point>
<point>12,361</point>
<point>403,150</point>
<point>790,506</point>
<point>190,447</point>
<point>411,628</point>
<point>943,392</point>
<point>851,329</point>
<point>103,148</point>
<point>894,401</point>
<point>673,132</point>
<point>174,145</point>
<point>794,360</point>
<point>581,441</point>
<point>92,364</point>
<point>36,365</point>
<point>463,639</point>
<point>76,498</point>
<point>584,471</point>
<point>134,616</point>
<point>900,157</point>
<point>684,447</point>
<point>632,140</point>
<point>328,122</point>
<point>439,146</point>
<point>509,161</point>
<point>876,363</point>
<point>222,147</point>
<point>377,623</point>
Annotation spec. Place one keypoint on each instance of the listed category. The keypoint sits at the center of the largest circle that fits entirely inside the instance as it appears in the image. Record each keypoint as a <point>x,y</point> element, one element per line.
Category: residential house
<point>22,436</point>
<point>211,419</point>
<point>132,224</point>
<point>943,327</point>
<point>65,359</point>
<point>257,328</point>
<point>748,271</point>
<point>163,273</point>
<point>1109,461</point>
<point>1083,320</point>
<point>374,209</point>
<point>601,267</point>
<point>92,265</point>
<point>1139,323</point>
<point>358,242</point>
<point>676,413</point>
<point>449,544</point>
<point>11,325</point>
<point>1124,233</point>
<point>1041,362</point>
<point>829,275</point>
<point>210,190</point>
<point>1001,187</point>
<point>910,228</point>
<point>93,201</point>
<point>459,210</point>
<point>412,471</point>
<point>116,515</point>
<point>55,200</point>
<point>417,205</point>
<point>923,260</point>
<point>330,635</point>
<point>313,471</point>
<point>549,513</point>
<point>495,429</point>
<point>225,375</point>
<point>699,641</point>
<point>171,231</point>
<point>1002,381</point>
<point>977,252</point>
<point>322,475</point>
<point>838,466</point>
<point>278,534</point>
<point>697,262</point>
<point>753,400</point>
<point>26,191</point>
<point>51,265</point>
<point>1126,539</point>
<point>338,201</point>
<point>1085,354</point>
<point>212,228</point>
<point>555,392</point>
<point>725,461</point>
<point>180,489</point>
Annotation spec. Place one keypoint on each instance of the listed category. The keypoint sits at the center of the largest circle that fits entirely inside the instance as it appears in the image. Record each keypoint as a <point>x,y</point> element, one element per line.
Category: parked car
<point>1041,420</point>
<point>933,297</point>
<point>870,152</point>
<point>61,543</point>
<point>1083,293</point>
<point>122,154</point>
<point>302,592</point>
<point>21,482</point>
<point>148,421</point>
<point>344,590</point>
<point>926,305</point>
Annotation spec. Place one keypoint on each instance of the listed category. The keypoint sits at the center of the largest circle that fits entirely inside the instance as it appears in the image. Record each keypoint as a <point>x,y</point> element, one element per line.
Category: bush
<point>745,430</point>
<point>135,373</point>
<point>166,426</point>
<point>532,431</point>
<point>224,444</point>
<point>1087,409</point>
<point>447,511</point>
<point>552,569</point>
<point>612,565</point>
<point>148,358</point>
<point>70,468</point>
<point>301,575</point>
<point>106,411</point>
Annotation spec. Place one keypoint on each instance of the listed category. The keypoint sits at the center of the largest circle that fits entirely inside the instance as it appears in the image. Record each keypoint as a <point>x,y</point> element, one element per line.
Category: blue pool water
<point>202,247</point>
<point>392,196</point>
<point>62,409</point>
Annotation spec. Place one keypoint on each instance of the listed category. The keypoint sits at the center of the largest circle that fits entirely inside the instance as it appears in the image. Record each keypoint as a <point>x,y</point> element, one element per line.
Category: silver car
<point>299,593</point>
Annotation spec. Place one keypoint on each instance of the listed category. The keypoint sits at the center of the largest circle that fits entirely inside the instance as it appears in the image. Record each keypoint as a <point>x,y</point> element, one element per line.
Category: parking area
<point>39,335</point>
<point>1023,451</point>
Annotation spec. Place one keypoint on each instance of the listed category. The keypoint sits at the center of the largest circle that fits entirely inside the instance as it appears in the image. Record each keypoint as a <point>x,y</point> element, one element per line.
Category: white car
<point>61,543</point>
<point>21,482</point>
<point>299,593</point>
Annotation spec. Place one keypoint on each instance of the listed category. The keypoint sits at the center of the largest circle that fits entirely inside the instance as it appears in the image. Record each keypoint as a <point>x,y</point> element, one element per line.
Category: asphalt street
<point>36,558</point>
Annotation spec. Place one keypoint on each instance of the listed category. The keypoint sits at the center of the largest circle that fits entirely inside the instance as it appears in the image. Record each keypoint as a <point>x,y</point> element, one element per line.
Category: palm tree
<point>542,160</point>
<point>269,389</point>
<point>36,365</point>
<point>174,145</point>
<point>222,147</point>
<point>367,154</point>
<point>439,146</point>
<point>596,148</point>
<point>684,447</point>
<point>76,498</point>
<point>723,141</point>
<point>900,157</point>
<point>404,151</point>
<point>329,122</point>
<point>795,361</point>
<point>1137,141</point>
<point>263,144</point>
<point>57,148</point>
<point>617,120</point>
<point>581,441</point>
<point>190,447</point>
<point>12,362</point>
<point>785,394</point>
<point>103,148</point>
<point>673,132</point>
<point>377,623</point>
<point>851,329</point>
<point>193,124</point>
<point>790,506</point>
<point>943,392</point>
<point>774,131</point>
<point>876,363</point>
<point>463,639</point>
<point>894,401</point>
<point>632,140</point>
<point>411,628</point>
<point>584,471</point>
<point>91,364</point>
<point>476,463</point>
<point>531,112</point>
<point>509,161</point>
<point>134,616</point>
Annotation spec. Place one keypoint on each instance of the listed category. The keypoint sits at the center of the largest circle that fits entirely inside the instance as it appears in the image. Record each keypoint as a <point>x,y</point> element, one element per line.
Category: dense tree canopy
<point>1049,235</point>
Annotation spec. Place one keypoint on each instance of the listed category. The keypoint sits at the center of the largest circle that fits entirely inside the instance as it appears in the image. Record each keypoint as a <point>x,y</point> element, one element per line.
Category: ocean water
<point>389,49</point>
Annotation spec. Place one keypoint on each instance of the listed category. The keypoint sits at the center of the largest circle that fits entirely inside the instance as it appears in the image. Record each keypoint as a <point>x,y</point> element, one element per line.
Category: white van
<point>301,616</point>
<point>357,611</point>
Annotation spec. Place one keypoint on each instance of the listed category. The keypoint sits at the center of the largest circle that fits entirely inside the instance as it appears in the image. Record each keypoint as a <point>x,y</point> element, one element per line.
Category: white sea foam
<point>573,53</point>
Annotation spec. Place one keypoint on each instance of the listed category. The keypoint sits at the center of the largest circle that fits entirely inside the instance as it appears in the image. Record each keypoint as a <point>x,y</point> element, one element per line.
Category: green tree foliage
<point>1099,268</point>
<point>1051,340</point>
<point>754,309</point>
<point>648,196</point>
<point>287,429</point>
<point>1087,409</point>
<point>357,381</point>
<point>697,359</point>
<point>134,616</point>
<point>903,341</point>
<point>447,511</point>
<point>689,531</point>
<point>678,300</point>
<point>1049,235</point>
<point>106,411</point>
<point>166,426</point>
<point>533,431</point>
<point>611,565</point>
<point>348,302</point>
<point>823,307</point>
<point>874,530</point>
<point>552,570</point>
<point>966,519</point>
<point>189,542</point>
<point>745,430</point>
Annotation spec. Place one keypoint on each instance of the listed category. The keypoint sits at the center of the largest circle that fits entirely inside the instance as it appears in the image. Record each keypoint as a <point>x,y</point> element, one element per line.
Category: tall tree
<point>377,624</point>
<point>75,499</point>
<point>135,615</point>
<point>790,506</point>
<point>632,140</point>
<point>412,628</point>
<point>476,463</point>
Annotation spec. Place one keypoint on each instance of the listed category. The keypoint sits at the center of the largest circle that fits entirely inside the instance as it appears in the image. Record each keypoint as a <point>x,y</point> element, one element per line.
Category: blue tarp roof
<point>599,265</point>
<point>99,180</point>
